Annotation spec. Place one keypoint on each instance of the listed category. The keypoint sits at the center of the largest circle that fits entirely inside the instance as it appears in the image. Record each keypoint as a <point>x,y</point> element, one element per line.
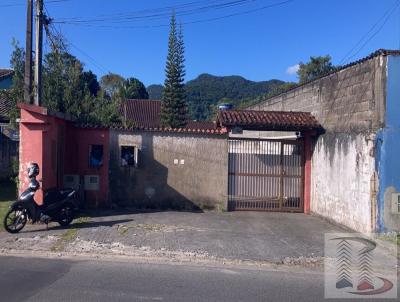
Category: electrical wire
<point>23,4</point>
<point>53,31</point>
<point>158,14</point>
<point>385,18</point>
<point>184,23</point>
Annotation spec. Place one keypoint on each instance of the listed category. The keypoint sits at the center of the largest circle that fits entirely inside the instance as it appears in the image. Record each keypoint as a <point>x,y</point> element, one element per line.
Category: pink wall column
<point>60,148</point>
<point>35,128</point>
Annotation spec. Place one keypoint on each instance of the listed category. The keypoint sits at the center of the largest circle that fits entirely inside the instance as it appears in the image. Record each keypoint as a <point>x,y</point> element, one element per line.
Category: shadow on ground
<point>82,225</point>
<point>129,211</point>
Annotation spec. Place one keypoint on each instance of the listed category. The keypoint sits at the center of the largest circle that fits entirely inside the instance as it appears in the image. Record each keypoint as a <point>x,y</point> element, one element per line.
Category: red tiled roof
<point>217,131</point>
<point>267,120</point>
<point>146,114</point>
<point>5,106</point>
<point>201,125</point>
<point>6,72</point>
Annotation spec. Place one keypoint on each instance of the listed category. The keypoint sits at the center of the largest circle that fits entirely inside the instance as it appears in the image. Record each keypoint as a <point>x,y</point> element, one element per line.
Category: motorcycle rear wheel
<point>15,220</point>
<point>66,216</point>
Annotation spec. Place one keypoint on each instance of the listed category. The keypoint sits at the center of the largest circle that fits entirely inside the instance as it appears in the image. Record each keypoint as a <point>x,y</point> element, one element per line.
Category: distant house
<point>147,114</point>
<point>6,76</point>
<point>8,138</point>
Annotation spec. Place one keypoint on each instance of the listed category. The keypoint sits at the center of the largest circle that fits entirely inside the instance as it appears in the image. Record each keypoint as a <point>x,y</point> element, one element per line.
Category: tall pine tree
<point>174,110</point>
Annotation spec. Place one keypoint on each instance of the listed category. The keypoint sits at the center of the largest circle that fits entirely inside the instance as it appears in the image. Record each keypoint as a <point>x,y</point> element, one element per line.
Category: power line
<point>385,18</point>
<point>52,29</point>
<point>151,10</point>
<point>157,14</point>
<point>23,4</point>
<point>188,22</point>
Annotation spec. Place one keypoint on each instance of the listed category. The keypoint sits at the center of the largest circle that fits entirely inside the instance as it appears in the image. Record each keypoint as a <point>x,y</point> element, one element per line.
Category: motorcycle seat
<point>55,195</point>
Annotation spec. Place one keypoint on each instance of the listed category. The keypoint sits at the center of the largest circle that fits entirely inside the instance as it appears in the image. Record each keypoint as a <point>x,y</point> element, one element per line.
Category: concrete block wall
<point>352,99</point>
<point>179,171</point>
<point>350,105</point>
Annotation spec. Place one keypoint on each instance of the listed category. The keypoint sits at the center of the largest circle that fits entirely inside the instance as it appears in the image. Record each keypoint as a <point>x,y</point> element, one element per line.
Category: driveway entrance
<point>266,175</point>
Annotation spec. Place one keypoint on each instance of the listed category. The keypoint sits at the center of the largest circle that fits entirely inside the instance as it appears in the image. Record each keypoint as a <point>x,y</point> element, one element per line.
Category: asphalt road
<point>29,279</point>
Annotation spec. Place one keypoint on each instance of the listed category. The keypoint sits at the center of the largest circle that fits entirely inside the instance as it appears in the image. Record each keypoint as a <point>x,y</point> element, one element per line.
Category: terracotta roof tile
<point>6,72</point>
<point>146,114</point>
<point>5,106</point>
<point>120,126</point>
<point>267,120</point>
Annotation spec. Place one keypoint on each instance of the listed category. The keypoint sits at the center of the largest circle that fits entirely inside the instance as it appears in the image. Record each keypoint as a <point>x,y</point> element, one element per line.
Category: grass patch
<point>70,234</point>
<point>63,239</point>
<point>7,196</point>
<point>391,237</point>
<point>81,220</point>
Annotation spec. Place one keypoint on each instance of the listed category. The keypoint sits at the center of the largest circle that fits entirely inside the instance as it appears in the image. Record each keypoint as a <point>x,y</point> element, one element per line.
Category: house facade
<point>191,168</point>
<point>327,147</point>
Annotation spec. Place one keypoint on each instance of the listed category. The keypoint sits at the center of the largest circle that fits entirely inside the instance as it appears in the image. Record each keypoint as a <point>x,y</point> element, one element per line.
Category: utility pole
<point>28,54</point>
<point>38,56</point>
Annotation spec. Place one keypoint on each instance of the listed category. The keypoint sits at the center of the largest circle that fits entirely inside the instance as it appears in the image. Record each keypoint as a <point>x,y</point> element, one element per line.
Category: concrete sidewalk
<point>253,236</point>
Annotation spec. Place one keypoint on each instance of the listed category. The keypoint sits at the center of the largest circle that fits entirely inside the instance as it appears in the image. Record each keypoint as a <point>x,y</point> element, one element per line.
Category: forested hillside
<point>207,91</point>
<point>155,91</point>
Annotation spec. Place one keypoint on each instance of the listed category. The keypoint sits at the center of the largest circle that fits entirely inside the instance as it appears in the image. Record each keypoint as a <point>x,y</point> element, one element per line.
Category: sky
<point>256,39</point>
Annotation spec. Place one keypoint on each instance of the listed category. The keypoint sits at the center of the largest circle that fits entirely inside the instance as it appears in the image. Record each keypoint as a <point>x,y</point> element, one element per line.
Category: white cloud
<point>292,69</point>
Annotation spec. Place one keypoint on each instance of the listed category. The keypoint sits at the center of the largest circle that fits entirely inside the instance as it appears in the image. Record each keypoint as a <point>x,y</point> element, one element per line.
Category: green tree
<point>111,83</point>
<point>63,83</point>
<point>16,93</point>
<point>316,67</point>
<point>67,87</point>
<point>174,109</point>
<point>132,88</point>
<point>155,91</point>
<point>90,81</point>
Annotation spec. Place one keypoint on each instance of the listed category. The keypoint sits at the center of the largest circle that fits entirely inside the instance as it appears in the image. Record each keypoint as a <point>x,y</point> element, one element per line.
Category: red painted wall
<point>31,147</point>
<point>78,148</point>
<point>60,148</point>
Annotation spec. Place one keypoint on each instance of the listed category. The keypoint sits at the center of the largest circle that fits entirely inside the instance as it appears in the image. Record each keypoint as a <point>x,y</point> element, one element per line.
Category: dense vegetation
<point>204,93</point>
<point>68,88</point>
<point>155,91</point>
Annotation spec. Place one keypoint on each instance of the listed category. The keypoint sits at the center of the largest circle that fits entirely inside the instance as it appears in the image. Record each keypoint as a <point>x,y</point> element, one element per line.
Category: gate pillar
<point>308,149</point>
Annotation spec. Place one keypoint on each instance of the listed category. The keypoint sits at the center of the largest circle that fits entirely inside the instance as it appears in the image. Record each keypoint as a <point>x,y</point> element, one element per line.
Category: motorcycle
<point>58,205</point>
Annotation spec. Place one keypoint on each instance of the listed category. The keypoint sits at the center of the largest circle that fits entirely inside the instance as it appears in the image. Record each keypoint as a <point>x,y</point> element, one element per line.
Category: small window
<point>128,156</point>
<point>96,156</point>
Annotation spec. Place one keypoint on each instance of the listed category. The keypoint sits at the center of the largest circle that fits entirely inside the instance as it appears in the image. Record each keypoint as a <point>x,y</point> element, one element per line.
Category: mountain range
<point>207,91</point>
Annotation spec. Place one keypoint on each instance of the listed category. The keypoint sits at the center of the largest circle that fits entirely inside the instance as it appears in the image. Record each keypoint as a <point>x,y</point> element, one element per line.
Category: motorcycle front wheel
<point>66,215</point>
<point>15,220</point>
